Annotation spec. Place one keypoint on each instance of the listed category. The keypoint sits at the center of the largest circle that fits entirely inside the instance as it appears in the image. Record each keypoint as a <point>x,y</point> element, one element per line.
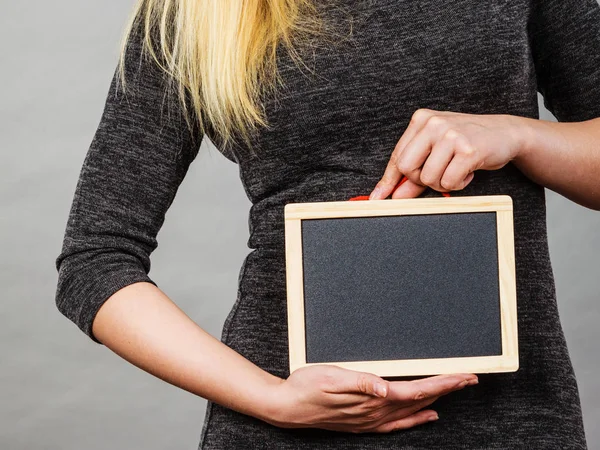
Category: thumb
<point>365,383</point>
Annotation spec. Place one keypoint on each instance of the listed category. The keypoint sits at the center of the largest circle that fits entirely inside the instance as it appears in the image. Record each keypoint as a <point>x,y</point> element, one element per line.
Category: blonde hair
<point>221,54</point>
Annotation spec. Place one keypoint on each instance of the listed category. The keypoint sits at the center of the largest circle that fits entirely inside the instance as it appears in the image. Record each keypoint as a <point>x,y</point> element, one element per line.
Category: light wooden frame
<point>502,205</point>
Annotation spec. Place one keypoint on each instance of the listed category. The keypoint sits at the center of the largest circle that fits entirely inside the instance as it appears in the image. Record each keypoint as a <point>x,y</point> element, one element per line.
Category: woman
<point>357,94</point>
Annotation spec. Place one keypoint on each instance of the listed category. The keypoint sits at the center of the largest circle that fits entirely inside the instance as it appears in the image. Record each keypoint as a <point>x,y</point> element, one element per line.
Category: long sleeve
<point>137,159</point>
<point>565,44</point>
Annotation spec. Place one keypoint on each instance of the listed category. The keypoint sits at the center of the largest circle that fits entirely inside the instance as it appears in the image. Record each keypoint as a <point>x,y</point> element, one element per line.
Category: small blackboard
<point>402,287</point>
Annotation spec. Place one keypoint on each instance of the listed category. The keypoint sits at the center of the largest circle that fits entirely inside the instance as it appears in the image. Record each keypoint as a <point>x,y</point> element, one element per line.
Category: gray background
<point>59,390</point>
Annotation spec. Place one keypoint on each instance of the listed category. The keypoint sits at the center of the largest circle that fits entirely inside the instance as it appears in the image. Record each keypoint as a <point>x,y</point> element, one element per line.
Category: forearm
<point>142,325</point>
<point>563,156</point>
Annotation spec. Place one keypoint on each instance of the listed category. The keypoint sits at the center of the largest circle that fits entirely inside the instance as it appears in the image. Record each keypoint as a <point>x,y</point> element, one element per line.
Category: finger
<point>437,162</point>
<point>392,175</point>
<point>408,189</point>
<point>465,161</point>
<point>458,174</point>
<point>430,387</point>
<point>416,124</point>
<point>370,415</point>
<point>416,152</point>
<point>350,381</point>
<point>388,181</point>
<point>357,404</point>
<point>418,418</point>
<point>398,412</point>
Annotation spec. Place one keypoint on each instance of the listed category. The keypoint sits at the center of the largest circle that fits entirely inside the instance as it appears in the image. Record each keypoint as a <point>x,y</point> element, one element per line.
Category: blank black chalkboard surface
<point>402,287</point>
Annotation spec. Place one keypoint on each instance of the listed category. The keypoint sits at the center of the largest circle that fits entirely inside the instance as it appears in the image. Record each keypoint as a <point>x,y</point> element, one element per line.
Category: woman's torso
<point>331,135</point>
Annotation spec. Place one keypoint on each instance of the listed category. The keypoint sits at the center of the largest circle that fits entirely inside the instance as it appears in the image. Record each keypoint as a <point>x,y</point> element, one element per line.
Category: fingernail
<point>380,390</point>
<point>473,381</point>
<point>433,417</point>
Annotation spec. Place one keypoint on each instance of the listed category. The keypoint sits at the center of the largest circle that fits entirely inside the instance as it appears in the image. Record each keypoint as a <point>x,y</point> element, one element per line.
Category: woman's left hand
<point>442,149</point>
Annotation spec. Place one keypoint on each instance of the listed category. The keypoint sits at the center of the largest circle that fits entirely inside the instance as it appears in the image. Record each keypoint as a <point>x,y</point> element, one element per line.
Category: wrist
<point>270,405</point>
<point>523,132</point>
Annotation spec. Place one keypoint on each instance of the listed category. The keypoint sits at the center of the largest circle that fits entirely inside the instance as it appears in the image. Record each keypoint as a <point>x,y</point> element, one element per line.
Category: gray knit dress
<point>331,134</point>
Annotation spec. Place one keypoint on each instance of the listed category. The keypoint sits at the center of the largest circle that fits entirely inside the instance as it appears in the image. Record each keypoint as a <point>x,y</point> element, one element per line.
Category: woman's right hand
<point>334,398</point>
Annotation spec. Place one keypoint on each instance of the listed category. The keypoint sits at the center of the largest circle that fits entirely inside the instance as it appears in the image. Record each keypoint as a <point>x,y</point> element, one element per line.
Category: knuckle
<point>323,384</point>
<point>435,121</point>
<point>427,178</point>
<point>451,134</point>
<point>326,380</point>
<point>467,150</point>
<point>420,115</point>
<point>330,372</point>
<point>397,161</point>
<point>419,395</point>
<point>385,180</point>
<point>404,168</point>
